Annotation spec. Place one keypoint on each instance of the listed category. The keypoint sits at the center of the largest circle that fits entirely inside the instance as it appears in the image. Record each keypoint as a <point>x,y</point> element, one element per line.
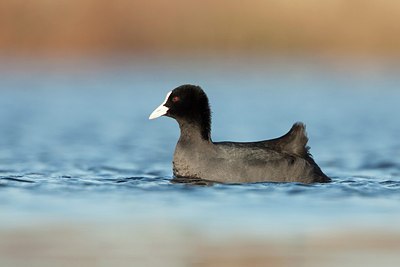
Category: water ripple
<point>14,179</point>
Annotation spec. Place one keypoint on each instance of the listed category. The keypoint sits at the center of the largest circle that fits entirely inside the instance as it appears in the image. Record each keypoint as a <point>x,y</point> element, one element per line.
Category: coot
<point>284,159</point>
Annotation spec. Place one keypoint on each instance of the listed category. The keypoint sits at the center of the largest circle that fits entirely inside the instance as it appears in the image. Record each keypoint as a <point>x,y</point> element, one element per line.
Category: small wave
<point>390,184</point>
<point>129,179</point>
<point>111,169</point>
<point>14,179</point>
<point>380,165</point>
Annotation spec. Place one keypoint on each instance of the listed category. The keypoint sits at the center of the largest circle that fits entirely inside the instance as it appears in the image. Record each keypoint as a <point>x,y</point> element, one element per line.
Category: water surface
<point>76,146</point>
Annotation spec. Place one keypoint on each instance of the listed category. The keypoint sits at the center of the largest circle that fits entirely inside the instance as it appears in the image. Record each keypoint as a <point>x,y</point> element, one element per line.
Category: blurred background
<point>85,177</point>
<point>91,27</point>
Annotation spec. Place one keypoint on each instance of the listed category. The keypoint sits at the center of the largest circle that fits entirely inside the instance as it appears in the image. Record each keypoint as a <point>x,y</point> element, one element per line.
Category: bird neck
<point>194,131</point>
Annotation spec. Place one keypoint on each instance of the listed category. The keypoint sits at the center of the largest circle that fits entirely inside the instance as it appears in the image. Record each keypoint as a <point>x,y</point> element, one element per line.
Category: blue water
<point>76,144</point>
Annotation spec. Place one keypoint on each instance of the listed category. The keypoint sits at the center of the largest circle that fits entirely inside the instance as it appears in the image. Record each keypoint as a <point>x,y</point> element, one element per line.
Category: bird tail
<point>295,141</point>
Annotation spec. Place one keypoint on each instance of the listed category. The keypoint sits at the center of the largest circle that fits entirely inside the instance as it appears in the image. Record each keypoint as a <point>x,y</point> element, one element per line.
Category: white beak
<point>161,110</point>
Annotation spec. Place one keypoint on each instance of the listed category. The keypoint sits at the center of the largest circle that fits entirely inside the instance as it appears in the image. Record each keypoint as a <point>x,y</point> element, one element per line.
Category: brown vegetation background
<point>356,27</point>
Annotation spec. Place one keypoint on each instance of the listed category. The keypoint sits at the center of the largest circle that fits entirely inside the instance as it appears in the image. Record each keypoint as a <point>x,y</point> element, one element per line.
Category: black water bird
<point>283,159</point>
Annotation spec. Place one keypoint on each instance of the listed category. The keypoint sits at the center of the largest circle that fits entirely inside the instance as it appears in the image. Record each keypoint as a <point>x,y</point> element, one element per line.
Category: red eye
<point>175,99</point>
